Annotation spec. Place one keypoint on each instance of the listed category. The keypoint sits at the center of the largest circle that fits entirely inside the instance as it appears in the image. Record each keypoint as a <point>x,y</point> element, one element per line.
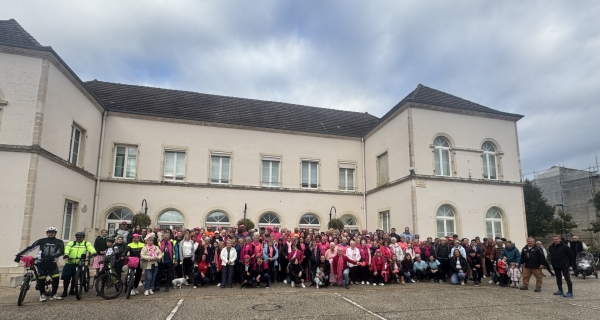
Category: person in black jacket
<point>246,272</point>
<point>458,268</point>
<point>532,262</point>
<point>474,261</point>
<point>562,256</point>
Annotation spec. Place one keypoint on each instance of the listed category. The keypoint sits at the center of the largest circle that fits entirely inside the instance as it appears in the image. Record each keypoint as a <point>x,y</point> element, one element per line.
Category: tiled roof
<point>228,110</point>
<point>11,33</point>
<point>427,95</point>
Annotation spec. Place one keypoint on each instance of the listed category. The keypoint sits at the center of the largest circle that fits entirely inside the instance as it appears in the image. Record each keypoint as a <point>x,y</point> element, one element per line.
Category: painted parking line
<point>172,314</point>
<point>359,306</point>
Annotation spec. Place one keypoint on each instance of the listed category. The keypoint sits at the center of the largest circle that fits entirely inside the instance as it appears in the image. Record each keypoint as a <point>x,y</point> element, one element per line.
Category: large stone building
<point>82,155</point>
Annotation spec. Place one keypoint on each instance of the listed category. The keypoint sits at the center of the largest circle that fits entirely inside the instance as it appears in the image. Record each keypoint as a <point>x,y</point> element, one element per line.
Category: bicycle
<point>30,276</point>
<point>108,285</point>
<point>132,263</point>
<point>82,277</point>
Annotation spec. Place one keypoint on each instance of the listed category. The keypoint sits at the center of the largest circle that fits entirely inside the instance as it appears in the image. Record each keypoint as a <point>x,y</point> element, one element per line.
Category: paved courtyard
<point>412,301</point>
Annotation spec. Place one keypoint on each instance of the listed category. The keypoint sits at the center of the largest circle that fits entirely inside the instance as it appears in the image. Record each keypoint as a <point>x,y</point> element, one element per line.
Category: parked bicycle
<point>132,263</point>
<point>31,275</point>
<point>82,277</point>
<point>108,284</point>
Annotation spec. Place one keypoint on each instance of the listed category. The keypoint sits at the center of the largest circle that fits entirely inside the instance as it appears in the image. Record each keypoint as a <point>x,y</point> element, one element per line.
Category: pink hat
<point>246,257</point>
<point>196,228</point>
<point>135,235</point>
<point>242,226</point>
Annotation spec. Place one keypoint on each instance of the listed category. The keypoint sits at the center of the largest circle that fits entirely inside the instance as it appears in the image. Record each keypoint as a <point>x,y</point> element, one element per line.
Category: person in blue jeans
<point>150,255</point>
<point>458,268</point>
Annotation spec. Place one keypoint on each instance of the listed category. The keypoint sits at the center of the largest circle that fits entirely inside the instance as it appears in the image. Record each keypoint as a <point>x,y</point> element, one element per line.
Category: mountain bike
<point>82,277</point>
<point>108,284</point>
<point>129,280</point>
<point>31,275</point>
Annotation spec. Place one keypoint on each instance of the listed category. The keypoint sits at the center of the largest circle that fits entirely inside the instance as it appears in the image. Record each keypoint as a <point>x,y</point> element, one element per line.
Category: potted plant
<point>336,224</point>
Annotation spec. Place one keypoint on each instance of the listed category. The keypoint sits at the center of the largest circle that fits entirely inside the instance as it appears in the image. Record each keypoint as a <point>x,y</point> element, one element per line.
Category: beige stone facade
<point>41,185</point>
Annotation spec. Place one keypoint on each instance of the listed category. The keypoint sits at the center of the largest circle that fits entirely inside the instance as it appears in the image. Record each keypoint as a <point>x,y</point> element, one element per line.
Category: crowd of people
<point>266,256</point>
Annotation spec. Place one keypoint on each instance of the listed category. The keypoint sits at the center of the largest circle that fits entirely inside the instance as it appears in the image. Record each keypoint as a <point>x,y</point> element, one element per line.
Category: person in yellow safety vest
<point>73,252</point>
<point>134,249</point>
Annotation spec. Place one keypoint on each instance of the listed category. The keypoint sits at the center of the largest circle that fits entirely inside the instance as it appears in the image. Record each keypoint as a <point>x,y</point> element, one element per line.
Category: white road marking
<point>172,314</point>
<point>359,306</point>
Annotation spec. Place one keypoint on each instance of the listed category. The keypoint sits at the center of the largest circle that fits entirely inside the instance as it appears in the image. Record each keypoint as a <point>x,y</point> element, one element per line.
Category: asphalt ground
<point>412,301</point>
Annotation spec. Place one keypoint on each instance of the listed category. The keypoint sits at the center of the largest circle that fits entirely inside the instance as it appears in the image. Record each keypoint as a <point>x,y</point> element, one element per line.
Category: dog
<point>178,282</point>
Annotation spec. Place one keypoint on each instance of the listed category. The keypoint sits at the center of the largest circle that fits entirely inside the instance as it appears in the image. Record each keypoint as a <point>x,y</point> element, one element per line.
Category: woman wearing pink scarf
<point>150,255</point>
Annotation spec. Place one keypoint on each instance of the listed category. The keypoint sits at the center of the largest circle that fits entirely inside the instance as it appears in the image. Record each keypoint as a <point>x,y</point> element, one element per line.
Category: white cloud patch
<point>536,58</point>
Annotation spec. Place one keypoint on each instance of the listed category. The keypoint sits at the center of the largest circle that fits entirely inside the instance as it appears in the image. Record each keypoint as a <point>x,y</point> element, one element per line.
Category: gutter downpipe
<point>364,176</point>
<point>98,169</point>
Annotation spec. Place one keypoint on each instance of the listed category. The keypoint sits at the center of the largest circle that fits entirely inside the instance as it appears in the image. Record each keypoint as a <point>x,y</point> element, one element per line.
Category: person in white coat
<point>228,257</point>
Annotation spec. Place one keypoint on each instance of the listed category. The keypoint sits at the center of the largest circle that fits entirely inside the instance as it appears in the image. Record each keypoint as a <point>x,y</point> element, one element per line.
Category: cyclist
<point>50,249</point>
<point>73,252</point>
<point>135,248</point>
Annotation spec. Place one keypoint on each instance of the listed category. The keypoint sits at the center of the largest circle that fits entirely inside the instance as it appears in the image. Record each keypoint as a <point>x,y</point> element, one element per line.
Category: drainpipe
<point>98,169</point>
<point>364,178</point>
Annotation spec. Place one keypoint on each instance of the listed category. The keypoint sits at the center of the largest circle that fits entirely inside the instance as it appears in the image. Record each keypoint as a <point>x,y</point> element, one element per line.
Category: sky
<point>540,59</point>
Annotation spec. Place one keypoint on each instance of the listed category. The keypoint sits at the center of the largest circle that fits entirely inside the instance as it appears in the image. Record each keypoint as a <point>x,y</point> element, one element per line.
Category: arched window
<point>170,219</point>
<point>218,218</point>
<point>493,223</point>
<point>349,222</point>
<point>310,221</point>
<point>445,221</point>
<point>489,161</point>
<point>116,217</point>
<point>441,156</point>
<point>269,219</point>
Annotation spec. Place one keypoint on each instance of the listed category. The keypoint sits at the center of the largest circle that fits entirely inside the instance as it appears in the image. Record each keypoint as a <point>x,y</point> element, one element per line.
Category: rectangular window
<point>174,165</point>
<point>346,172</point>
<point>75,149</point>
<point>382,169</point>
<point>310,174</point>
<point>69,213</point>
<point>270,171</point>
<point>384,221</point>
<point>125,162</point>
<point>220,165</point>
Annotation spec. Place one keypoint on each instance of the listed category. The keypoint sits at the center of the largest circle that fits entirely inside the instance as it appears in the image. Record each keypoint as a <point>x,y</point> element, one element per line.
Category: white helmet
<point>51,229</point>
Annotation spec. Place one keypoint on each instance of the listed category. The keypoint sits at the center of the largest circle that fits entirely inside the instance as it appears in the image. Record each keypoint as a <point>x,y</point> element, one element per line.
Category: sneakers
<point>195,287</point>
<point>293,284</point>
<point>381,284</point>
<point>568,295</point>
<point>55,297</point>
<point>367,282</point>
<point>42,298</point>
<point>413,281</point>
<point>218,285</point>
<point>267,287</point>
<point>477,284</point>
<point>374,284</point>
<point>484,276</point>
<point>362,282</point>
<point>462,283</point>
<point>132,292</point>
<point>523,288</point>
<point>151,292</point>
<point>537,290</point>
<point>441,281</point>
<point>558,293</point>
<point>285,281</point>
<point>316,286</point>
<point>491,281</point>
<point>302,285</point>
<point>147,292</point>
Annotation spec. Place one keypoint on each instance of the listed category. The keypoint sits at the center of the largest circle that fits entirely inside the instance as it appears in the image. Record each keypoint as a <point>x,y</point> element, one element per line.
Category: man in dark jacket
<point>532,262</point>
<point>577,247</point>
<point>562,256</point>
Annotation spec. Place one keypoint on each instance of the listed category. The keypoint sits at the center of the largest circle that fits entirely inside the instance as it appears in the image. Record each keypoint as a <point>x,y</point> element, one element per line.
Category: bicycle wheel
<point>86,274</point>
<point>76,284</point>
<point>130,280</point>
<point>109,286</point>
<point>24,288</point>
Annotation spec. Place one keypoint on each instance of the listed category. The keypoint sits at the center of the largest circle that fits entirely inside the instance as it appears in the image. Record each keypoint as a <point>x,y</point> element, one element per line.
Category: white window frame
<point>492,221</point>
<point>74,130</point>
<point>220,155</point>
<point>380,182</point>
<point>270,183</point>
<point>170,223</point>
<point>213,223</point>
<point>439,151</point>
<point>487,154</point>
<point>311,163</point>
<point>446,220</point>
<point>125,161</point>
<point>66,235</point>
<point>345,167</point>
<point>384,220</point>
<point>270,222</point>
<point>347,217</point>
<point>315,226</point>
<point>112,225</point>
<point>174,177</point>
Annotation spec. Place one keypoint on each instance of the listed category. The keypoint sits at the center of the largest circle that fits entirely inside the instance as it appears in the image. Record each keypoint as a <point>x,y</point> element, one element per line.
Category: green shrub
<point>336,224</point>
<point>140,219</point>
<point>247,223</point>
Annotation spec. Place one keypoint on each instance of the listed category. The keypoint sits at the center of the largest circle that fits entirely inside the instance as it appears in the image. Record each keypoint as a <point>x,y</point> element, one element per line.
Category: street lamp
<point>145,206</point>
<point>334,211</point>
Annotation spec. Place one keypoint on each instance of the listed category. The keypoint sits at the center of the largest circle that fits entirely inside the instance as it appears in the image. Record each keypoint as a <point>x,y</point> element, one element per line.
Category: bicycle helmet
<point>80,234</point>
<point>51,229</point>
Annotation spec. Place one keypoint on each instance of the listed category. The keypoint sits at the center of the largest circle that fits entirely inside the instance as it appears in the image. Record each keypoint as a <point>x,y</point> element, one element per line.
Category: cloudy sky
<point>536,58</point>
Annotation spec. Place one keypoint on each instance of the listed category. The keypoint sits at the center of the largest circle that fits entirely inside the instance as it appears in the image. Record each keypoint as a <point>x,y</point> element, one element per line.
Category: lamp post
<point>245,208</point>
<point>145,206</point>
